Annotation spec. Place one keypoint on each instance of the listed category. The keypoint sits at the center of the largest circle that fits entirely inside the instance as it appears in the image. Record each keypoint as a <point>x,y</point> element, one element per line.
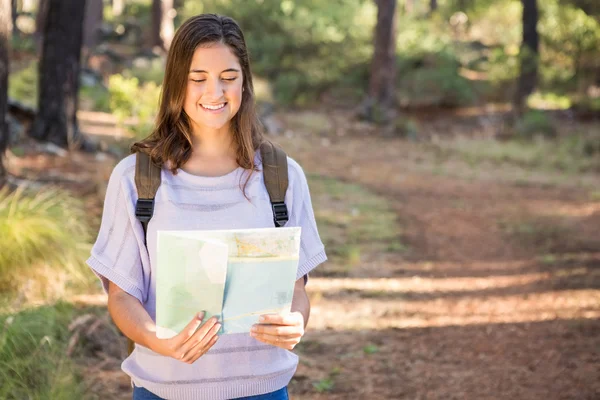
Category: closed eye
<point>204,80</point>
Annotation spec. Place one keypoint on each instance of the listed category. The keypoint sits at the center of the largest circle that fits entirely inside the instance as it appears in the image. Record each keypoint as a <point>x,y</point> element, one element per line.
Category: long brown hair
<point>171,139</point>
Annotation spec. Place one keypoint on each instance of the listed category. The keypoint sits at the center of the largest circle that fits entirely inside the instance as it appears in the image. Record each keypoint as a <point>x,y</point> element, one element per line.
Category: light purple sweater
<point>238,365</point>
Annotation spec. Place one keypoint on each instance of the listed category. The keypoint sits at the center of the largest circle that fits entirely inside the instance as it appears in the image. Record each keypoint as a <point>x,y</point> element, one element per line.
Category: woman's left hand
<point>283,331</point>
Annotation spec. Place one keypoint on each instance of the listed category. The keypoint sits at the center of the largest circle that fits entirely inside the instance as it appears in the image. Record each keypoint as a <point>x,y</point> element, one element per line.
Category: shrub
<point>43,238</point>
<point>22,85</point>
<point>302,47</point>
<point>130,100</point>
<point>535,123</point>
<point>33,347</point>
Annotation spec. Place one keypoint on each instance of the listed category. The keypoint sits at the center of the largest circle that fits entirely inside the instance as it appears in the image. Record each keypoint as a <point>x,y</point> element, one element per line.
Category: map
<point>237,275</point>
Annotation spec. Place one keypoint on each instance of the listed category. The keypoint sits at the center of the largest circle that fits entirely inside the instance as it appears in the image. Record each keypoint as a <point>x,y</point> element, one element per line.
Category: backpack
<point>275,174</point>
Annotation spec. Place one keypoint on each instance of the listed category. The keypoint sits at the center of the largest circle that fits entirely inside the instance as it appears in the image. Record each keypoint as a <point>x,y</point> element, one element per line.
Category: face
<point>214,88</point>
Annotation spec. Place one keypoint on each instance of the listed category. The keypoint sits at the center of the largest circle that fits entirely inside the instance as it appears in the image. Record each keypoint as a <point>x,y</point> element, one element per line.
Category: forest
<point>452,149</point>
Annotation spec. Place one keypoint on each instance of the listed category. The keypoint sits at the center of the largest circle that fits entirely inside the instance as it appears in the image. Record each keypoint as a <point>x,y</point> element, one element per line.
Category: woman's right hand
<point>191,343</point>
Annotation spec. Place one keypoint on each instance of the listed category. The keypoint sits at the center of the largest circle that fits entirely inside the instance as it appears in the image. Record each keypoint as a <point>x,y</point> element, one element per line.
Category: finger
<point>200,334</point>
<point>279,330</point>
<point>279,341</point>
<point>282,319</point>
<point>208,346</point>
<point>197,344</point>
<point>190,328</point>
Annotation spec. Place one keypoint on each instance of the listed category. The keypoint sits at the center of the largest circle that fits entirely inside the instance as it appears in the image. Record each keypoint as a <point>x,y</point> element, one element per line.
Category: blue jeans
<point>140,393</point>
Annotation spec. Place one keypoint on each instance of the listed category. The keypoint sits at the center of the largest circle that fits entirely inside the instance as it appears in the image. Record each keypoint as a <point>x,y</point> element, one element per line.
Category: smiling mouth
<point>215,107</point>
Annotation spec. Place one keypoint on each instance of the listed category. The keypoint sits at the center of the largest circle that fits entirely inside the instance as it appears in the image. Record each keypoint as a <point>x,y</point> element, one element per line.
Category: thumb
<point>191,327</point>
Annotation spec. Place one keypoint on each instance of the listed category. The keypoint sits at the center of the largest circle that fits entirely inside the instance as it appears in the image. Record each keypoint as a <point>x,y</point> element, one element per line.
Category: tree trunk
<point>14,14</point>
<point>56,119</point>
<point>40,22</point>
<point>528,55</point>
<point>92,24</point>
<point>5,30</point>
<point>381,101</point>
<point>163,28</point>
<point>117,7</point>
<point>433,5</point>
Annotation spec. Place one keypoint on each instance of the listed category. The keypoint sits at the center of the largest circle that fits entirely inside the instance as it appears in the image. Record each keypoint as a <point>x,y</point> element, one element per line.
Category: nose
<point>214,89</point>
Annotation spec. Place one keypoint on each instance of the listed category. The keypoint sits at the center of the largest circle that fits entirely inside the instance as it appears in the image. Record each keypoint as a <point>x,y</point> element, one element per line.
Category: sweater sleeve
<point>119,254</point>
<point>312,251</point>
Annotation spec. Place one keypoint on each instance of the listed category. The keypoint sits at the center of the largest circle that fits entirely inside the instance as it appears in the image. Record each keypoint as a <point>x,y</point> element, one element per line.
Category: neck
<point>209,143</point>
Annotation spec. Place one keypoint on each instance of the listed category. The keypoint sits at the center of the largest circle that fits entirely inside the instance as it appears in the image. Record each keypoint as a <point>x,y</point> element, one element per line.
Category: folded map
<point>237,275</point>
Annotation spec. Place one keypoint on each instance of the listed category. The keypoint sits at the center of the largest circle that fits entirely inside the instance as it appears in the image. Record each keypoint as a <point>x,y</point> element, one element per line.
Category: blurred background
<point>452,149</point>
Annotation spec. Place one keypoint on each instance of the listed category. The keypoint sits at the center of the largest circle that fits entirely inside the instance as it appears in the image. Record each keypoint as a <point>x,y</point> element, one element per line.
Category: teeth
<point>214,107</point>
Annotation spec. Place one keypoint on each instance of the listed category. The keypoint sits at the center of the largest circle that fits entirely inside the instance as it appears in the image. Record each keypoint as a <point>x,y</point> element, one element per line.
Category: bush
<point>22,85</point>
<point>33,346</point>
<point>94,98</point>
<point>130,100</point>
<point>302,47</point>
<point>535,123</point>
<point>434,82</point>
<point>44,240</point>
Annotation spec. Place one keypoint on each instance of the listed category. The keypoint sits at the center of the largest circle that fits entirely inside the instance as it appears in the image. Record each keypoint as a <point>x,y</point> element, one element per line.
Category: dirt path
<point>497,297</point>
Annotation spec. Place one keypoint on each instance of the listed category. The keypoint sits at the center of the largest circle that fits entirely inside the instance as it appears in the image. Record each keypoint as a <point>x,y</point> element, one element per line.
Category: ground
<point>494,292</point>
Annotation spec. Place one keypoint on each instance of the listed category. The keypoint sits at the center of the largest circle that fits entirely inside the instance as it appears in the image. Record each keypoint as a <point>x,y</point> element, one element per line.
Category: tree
<point>433,5</point>
<point>528,54</point>
<point>40,21</point>
<point>163,29</point>
<point>56,118</point>
<point>5,30</point>
<point>381,100</point>
<point>14,14</point>
<point>92,24</point>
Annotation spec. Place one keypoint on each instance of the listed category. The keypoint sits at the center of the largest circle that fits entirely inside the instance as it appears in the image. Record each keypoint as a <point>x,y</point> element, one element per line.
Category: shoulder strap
<point>275,173</point>
<point>147,181</point>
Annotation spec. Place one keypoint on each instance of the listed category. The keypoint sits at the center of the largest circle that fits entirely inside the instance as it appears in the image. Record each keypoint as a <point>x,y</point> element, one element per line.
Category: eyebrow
<point>206,72</point>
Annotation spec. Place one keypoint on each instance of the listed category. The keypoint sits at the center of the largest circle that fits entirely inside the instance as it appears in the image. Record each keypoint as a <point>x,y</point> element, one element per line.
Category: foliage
<point>302,47</point>
<point>371,349</point>
<point>42,232</point>
<point>22,85</point>
<point>573,154</point>
<point>570,39</point>
<point>33,356</point>
<point>96,98</point>
<point>324,385</point>
<point>549,101</point>
<point>534,123</point>
<point>134,103</point>
<point>21,43</point>
<point>147,70</point>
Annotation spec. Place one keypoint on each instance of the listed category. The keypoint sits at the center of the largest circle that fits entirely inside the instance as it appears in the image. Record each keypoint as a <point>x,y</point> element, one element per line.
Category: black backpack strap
<point>147,181</point>
<point>275,173</point>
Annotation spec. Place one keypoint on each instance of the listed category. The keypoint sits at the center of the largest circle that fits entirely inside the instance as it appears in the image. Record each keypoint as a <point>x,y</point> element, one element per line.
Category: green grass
<point>371,349</point>
<point>33,360</point>
<point>542,234</point>
<point>324,385</point>
<point>353,221</point>
<point>570,155</point>
<point>44,239</point>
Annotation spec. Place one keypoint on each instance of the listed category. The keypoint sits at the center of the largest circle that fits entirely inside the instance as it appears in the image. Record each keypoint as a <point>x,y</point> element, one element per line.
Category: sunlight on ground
<point>556,208</point>
<point>418,302</point>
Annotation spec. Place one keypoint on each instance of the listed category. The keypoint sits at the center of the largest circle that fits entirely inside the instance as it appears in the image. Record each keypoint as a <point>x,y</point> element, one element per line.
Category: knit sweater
<point>237,365</point>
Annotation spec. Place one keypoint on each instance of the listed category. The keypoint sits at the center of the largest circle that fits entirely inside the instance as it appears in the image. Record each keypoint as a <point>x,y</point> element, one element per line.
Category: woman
<point>206,140</point>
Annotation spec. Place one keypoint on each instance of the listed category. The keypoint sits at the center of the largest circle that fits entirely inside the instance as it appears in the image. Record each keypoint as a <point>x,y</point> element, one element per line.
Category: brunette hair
<point>171,140</point>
